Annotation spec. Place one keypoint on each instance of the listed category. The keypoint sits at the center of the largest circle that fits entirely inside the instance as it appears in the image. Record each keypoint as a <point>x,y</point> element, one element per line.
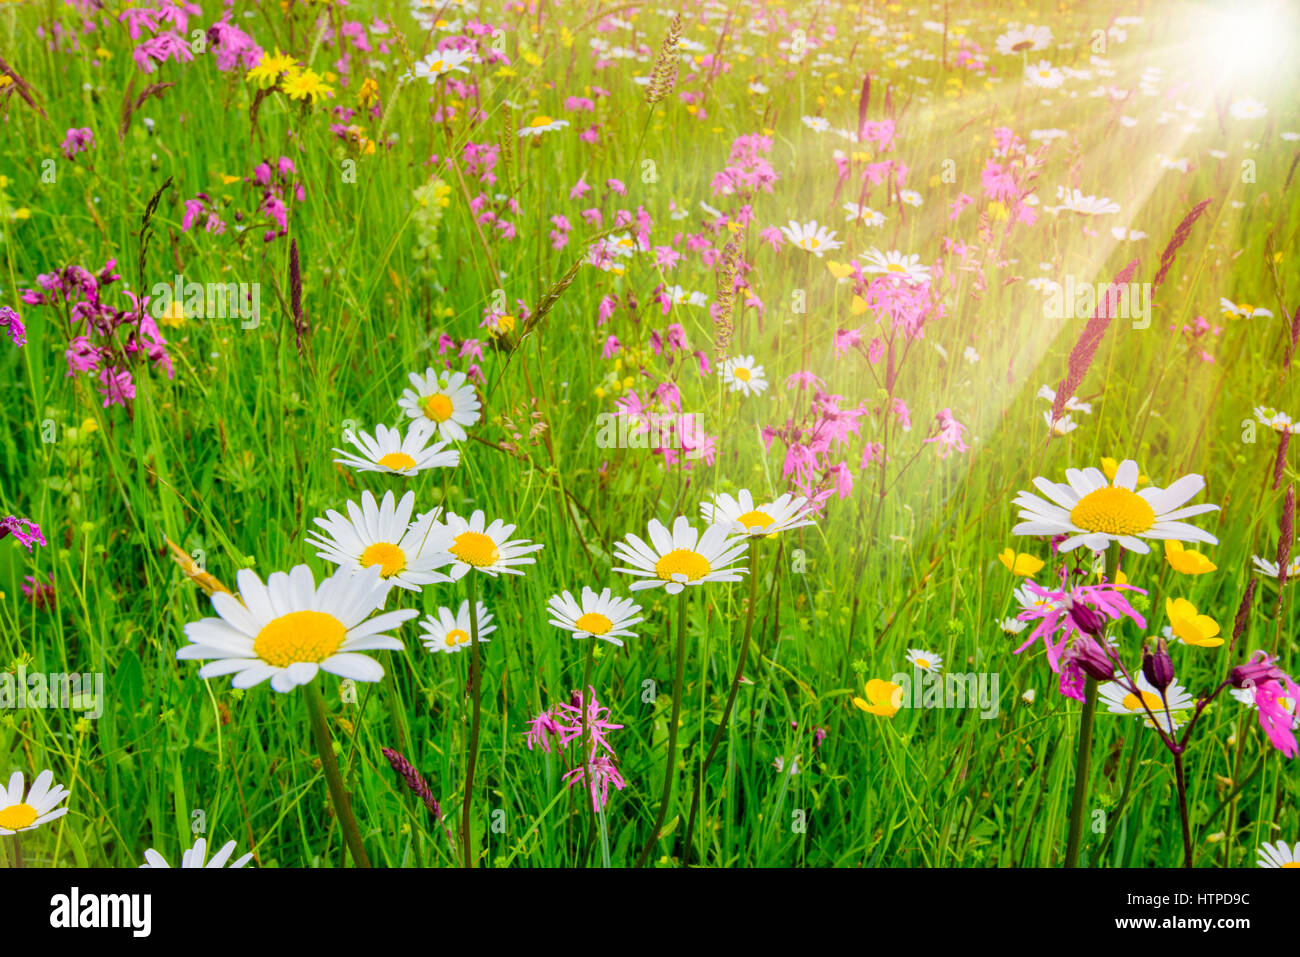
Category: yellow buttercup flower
<point>839,270</point>
<point>1020,564</point>
<point>1187,561</point>
<point>1189,626</point>
<point>883,698</point>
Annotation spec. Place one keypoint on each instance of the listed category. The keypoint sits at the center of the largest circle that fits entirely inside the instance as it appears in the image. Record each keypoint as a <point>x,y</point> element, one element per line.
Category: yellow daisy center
<point>811,243</point>
<point>682,561</point>
<point>741,373</point>
<point>540,121</point>
<point>475,548</point>
<point>437,407</point>
<point>896,267</point>
<point>17,816</point>
<point>299,636</point>
<point>594,622</point>
<point>456,637</point>
<point>390,558</point>
<point>1116,511</point>
<point>1152,701</point>
<point>435,66</point>
<point>1292,864</point>
<point>755,519</point>
<point>397,461</point>
<point>922,662</point>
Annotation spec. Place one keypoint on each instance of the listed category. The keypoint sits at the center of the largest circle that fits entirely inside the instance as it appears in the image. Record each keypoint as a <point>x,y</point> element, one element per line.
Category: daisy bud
<point>1157,666</point>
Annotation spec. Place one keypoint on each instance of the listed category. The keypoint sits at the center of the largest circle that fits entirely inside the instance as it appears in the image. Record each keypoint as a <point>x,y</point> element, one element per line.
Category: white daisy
<point>596,616</point>
<point>542,124</point>
<point>743,517</point>
<point>864,214</point>
<point>1074,201</point>
<point>1094,513</point>
<point>446,399</point>
<point>1275,420</point>
<point>289,628</point>
<point>925,660</point>
<point>1242,311</point>
<point>440,63</point>
<point>450,633</point>
<point>485,548</point>
<point>23,813</point>
<point>1271,569</point>
<point>1043,74</point>
<point>910,197</point>
<point>1247,108</point>
<point>811,237</point>
<point>742,375</point>
<point>895,265</point>
<point>681,557</point>
<point>195,856</point>
<point>408,553</point>
<point>1024,39</point>
<point>818,124</point>
<point>1012,626</point>
<point>389,451</point>
<point>1119,700</point>
<point>1062,426</point>
<point>1279,855</point>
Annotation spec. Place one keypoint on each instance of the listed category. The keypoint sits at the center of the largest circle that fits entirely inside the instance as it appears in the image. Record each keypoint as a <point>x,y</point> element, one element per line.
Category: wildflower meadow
<point>552,433</point>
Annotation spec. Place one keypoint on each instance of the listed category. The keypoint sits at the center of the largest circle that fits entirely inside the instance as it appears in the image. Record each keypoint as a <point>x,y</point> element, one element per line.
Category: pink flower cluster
<point>586,721</point>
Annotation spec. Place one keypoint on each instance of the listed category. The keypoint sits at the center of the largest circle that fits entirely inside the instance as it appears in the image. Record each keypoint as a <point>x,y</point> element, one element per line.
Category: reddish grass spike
<point>295,294</point>
<point>1090,339</point>
<point>1243,611</point>
<point>1295,335</point>
<point>1176,241</point>
<point>1279,464</point>
<point>1285,532</point>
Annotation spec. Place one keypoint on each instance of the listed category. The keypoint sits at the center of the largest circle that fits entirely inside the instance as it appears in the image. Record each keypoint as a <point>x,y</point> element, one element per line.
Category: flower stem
<point>476,682</point>
<point>1081,762</point>
<point>18,852</point>
<point>731,701</point>
<point>1181,780</point>
<point>338,795</point>
<point>670,765</point>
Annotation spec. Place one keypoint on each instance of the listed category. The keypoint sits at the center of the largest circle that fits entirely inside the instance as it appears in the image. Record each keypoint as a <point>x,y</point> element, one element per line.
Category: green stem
<point>476,682</point>
<point>1081,762</point>
<point>338,795</point>
<point>731,699</point>
<point>18,852</point>
<point>670,761</point>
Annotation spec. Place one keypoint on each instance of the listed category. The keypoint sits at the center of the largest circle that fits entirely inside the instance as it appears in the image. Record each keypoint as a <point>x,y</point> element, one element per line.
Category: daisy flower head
<point>19,812</point>
<point>1241,310</point>
<point>407,553</point>
<point>1279,855</point>
<point>446,399</point>
<point>1247,108</point>
<point>476,546</point>
<point>674,559</point>
<point>811,237</point>
<point>440,63</point>
<point>864,214</point>
<point>542,124</point>
<point>451,632</point>
<point>925,660</point>
<point>595,616</point>
<point>289,628</point>
<point>196,856</point>
<point>1090,511</point>
<point>1043,74</point>
<point>742,517</point>
<point>1275,420</point>
<point>389,451</point>
<point>1120,699</point>
<point>1271,569</point>
<point>742,375</point>
<point>1024,39</point>
<point>895,265</point>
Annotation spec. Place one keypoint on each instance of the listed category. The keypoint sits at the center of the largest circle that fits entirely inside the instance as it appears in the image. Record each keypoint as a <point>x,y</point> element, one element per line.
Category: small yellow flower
<point>1021,564</point>
<point>305,84</point>
<point>269,69</point>
<point>883,698</point>
<point>1187,561</point>
<point>839,270</point>
<point>1192,628</point>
